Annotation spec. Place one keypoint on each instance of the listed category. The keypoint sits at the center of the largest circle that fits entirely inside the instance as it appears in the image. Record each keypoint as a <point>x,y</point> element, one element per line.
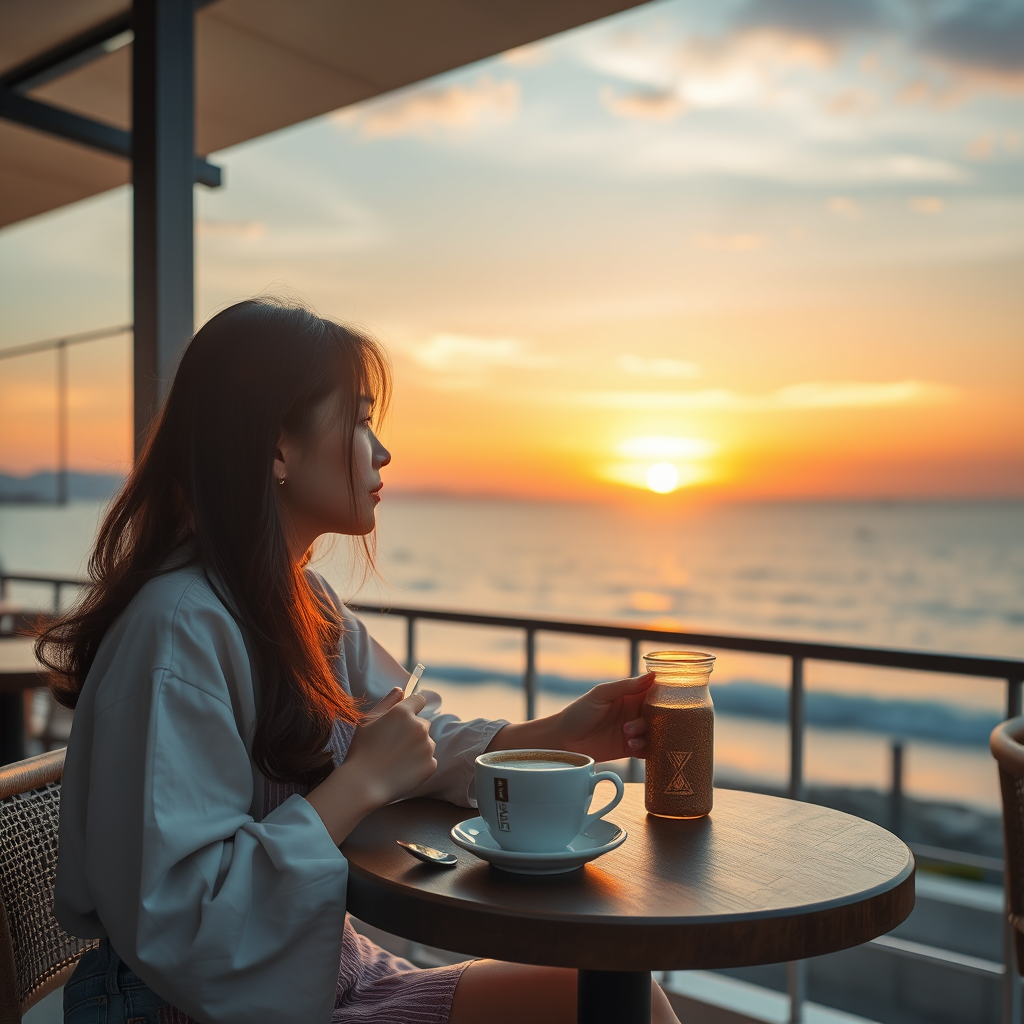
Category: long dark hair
<point>202,493</point>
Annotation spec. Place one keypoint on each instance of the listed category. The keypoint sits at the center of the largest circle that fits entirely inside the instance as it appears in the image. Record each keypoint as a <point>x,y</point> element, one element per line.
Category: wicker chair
<point>36,954</point>
<point>1005,743</point>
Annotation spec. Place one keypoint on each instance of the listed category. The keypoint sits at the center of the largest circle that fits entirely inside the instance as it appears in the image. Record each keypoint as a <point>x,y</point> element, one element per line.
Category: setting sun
<point>662,464</point>
<point>663,477</point>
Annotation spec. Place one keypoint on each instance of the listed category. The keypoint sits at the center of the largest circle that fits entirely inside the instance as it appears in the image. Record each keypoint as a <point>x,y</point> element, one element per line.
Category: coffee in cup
<point>535,801</point>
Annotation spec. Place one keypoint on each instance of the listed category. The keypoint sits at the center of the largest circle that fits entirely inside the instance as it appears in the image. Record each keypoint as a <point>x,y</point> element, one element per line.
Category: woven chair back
<point>1005,743</point>
<point>36,954</point>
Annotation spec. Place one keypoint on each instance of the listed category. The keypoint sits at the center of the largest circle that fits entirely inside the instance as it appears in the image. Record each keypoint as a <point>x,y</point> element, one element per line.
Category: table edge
<point>542,917</point>
<point>634,945</point>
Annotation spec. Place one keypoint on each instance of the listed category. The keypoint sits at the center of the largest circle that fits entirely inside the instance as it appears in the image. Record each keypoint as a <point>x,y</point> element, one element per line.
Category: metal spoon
<point>428,854</point>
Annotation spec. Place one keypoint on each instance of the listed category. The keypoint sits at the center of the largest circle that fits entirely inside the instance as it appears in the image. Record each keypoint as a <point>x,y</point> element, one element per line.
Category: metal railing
<point>1008,671</point>
<point>57,584</point>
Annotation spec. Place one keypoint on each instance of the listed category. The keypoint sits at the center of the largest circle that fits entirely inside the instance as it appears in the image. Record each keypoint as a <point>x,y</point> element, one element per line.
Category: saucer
<point>474,836</point>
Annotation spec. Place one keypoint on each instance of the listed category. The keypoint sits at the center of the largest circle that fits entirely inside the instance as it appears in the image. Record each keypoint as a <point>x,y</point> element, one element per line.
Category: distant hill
<point>43,487</point>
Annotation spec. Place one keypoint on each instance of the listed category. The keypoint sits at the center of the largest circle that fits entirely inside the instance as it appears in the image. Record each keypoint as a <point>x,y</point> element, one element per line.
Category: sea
<point>929,576</point>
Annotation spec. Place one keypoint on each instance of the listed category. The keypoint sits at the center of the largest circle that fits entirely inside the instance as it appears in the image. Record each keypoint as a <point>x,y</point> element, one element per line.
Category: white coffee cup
<point>535,801</point>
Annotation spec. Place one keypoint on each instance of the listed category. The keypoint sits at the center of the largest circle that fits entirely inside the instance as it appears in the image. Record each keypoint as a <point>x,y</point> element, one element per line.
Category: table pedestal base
<point>613,997</point>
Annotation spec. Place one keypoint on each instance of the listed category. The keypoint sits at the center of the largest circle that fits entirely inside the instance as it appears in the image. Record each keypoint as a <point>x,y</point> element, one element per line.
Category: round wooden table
<point>760,880</point>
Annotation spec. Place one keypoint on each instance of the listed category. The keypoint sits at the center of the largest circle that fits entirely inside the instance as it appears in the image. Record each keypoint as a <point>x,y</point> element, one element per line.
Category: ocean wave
<point>928,720</point>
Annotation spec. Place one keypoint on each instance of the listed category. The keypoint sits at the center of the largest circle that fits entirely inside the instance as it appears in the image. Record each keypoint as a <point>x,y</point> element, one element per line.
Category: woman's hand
<point>390,754</point>
<point>605,723</point>
<point>392,751</point>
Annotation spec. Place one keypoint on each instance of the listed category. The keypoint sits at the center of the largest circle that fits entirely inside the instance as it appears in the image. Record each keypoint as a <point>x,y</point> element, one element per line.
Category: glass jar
<point>680,734</point>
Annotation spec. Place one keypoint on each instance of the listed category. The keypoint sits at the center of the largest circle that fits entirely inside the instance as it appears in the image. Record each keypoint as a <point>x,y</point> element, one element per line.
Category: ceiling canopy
<point>261,65</point>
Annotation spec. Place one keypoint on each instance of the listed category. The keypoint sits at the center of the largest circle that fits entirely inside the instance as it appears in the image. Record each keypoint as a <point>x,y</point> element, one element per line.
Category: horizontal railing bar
<point>966,860</point>
<point>71,339</point>
<point>64,581</point>
<point>939,957</point>
<point>924,661</point>
<point>880,657</point>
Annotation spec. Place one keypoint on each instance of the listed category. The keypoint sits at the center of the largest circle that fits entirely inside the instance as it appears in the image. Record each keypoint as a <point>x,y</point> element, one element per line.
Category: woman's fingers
<point>636,733</point>
<point>416,703</point>
<point>623,687</point>
<point>393,697</point>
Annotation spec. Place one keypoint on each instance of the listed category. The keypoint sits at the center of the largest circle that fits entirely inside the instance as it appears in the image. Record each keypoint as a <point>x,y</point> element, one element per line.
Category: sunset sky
<point>771,248</point>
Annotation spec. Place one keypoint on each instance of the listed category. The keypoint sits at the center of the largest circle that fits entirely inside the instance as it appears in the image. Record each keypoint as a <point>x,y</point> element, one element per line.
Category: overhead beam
<point>73,53</point>
<point>106,37</point>
<point>108,138</point>
<point>163,118</point>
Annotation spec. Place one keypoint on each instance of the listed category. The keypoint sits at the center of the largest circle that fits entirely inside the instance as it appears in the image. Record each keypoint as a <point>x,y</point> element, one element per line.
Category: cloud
<point>728,243</point>
<point>650,105</point>
<point>905,167</point>
<point>984,36</point>
<point>992,145</point>
<point>927,204</point>
<point>697,72</point>
<point>851,102</point>
<point>829,21</point>
<point>810,395</point>
<point>463,354</point>
<point>529,56</point>
<point>666,448</point>
<point>980,42</point>
<point>641,367</point>
<point>249,231</point>
<point>846,207</point>
<point>760,57</point>
<point>430,112</point>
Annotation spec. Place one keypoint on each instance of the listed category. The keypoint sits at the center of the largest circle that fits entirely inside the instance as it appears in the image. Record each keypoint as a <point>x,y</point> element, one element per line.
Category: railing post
<point>1013,698</point>
<point>1011,983</point>
<point>896,795</point>
<point>410,642</point>
<point>530,678</point>
<point>62,422</point>
<point>796,970</point>
<point>796,730</point>
<point>796,985</point>
<point>633,768</point>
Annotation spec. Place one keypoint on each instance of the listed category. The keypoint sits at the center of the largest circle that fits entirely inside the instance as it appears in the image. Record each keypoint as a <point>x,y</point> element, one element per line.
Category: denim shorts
<point>103,990</point>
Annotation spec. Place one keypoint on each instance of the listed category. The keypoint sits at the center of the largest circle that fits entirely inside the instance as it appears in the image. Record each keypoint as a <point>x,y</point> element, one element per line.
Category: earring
<point>281,481</point>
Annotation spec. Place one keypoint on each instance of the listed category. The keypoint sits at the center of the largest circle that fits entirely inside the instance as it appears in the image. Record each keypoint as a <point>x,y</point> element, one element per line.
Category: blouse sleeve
<point>229,919</point>
<point>252,913</point>
<point>372,672</point>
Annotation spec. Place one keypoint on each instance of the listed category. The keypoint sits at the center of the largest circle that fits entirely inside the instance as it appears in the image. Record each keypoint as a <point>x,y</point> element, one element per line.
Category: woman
<point>217,758</point>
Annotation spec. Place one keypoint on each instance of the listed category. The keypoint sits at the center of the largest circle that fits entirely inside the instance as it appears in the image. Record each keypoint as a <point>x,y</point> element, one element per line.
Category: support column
<point>163,171</point>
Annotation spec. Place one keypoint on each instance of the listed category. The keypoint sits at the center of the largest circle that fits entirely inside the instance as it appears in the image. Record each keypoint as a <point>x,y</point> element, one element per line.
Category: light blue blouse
<point>230,915</point>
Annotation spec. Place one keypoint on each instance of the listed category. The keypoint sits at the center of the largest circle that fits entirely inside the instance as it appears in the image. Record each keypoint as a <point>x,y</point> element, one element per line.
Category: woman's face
<point>318,495</point>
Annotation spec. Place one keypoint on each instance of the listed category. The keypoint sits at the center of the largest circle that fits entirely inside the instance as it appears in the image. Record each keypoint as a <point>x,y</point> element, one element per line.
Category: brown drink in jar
<point>680,735</point>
